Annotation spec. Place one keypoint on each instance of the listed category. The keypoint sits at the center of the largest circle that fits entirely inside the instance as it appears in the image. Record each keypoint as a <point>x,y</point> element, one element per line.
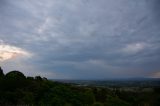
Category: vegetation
<point>17,89</point>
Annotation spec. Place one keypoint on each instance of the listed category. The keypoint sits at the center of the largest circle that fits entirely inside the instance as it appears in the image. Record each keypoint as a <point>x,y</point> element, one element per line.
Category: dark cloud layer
<point>84,38</point>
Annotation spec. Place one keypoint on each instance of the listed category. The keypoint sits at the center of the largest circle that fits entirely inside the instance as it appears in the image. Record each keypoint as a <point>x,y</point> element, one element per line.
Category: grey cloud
<point>65,35</point>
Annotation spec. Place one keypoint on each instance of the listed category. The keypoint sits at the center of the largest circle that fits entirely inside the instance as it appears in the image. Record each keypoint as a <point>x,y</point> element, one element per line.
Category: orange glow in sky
<point>9,52</point>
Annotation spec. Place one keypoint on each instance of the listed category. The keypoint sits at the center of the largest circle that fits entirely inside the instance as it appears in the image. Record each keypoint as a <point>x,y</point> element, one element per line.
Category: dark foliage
<point>1,73</point>
<point>16,89</point>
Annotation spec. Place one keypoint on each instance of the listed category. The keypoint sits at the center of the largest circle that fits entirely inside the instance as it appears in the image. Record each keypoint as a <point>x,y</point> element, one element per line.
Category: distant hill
<point>129,82</point>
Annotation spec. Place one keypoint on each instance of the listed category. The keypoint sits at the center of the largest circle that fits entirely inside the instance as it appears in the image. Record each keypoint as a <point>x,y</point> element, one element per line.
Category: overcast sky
<point>81,39</point>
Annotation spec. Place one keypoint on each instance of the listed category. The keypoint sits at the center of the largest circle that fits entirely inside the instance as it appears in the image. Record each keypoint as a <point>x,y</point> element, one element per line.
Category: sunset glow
<point>9,52</point>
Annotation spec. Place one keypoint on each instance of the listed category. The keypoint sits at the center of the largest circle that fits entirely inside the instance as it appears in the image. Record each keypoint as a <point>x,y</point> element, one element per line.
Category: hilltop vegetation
<point>17,89</point>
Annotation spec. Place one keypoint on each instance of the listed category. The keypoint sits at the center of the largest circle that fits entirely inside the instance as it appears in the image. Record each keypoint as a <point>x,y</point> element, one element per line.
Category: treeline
<point>17,89</point>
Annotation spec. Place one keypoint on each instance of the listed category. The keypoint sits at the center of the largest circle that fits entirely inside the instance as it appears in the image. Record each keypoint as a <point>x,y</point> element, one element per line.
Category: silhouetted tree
<point>38,78</point>
<point>14,79</point>
<point>1,73</point>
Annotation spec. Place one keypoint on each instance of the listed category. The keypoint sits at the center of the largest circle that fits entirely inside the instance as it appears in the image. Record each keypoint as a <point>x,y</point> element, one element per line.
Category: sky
<point>81,39</point>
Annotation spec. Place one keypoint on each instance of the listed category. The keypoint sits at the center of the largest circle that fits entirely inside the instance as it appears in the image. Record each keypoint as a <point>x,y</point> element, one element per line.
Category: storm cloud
<point>83,39</point>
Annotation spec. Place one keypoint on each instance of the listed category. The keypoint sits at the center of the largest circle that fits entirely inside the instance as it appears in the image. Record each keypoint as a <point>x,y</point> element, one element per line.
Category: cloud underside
<point>9,52</point>
<point>82,38</point>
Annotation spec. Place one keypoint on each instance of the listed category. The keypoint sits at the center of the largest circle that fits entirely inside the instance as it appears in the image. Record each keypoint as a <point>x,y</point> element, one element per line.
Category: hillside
<point>17,89</point>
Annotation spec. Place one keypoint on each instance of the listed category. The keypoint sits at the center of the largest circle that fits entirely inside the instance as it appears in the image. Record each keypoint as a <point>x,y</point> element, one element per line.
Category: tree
<point>38,78</point>
<point>1,78</point>
<point>89,97</point>
<point>1,73</point>
<point>14,79</point>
